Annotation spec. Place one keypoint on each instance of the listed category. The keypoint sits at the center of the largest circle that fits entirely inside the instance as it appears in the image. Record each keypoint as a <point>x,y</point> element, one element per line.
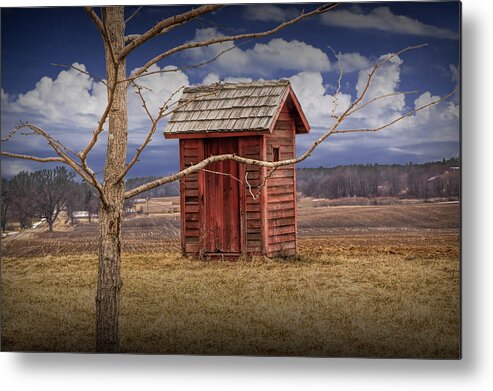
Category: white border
<point>473,372</point>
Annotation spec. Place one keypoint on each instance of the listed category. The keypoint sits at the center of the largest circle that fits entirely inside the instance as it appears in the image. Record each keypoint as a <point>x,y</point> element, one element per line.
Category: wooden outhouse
<point>228,208</point>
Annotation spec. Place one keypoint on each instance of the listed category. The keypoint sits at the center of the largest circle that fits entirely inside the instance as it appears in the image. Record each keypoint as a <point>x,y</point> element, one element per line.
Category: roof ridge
<point>254,83</point>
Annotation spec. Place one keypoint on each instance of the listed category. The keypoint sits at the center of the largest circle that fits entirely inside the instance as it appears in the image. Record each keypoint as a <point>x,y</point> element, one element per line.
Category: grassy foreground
<point>381,304</point>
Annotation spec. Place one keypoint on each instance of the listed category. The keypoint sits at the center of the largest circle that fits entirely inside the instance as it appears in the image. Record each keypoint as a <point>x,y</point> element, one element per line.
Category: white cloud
<point>382,18</point>
<point>262,59</point>
<point>423,133</point>
<point>70,105</point>
<point>385,81</point>
<point>211,78</point>
<point>157,89</point>
<point>72,97</point>
<point>316,103</point>
<point>354,61</point>
<point>270,12</point>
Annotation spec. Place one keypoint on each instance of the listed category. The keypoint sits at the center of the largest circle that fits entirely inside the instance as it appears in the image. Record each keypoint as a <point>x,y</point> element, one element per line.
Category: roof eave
<point>290,94</point>
<point>304,121</point>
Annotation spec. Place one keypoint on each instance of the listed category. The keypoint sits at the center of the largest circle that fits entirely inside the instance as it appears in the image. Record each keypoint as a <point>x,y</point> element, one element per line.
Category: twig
<point>381,97</point>
<point>222,173</point>
<point>34,158</point>
<point>81,71</point>
<point>96,20</point>
<point>177,69</point>
<point>191,45</point>
<point>335,99</point>
<point>160,28</point>
<point>99,129</point>
<point>250,186</point>
<point>396,119</point>
<point>154,122</point>
<point>133,14</point>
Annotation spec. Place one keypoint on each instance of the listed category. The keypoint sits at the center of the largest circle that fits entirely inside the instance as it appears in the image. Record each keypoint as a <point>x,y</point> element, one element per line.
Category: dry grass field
<point>378,281</point>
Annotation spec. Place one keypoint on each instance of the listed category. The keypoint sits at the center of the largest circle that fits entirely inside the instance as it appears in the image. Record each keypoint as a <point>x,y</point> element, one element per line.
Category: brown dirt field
<point>350,228</point>
<point>354,291</point>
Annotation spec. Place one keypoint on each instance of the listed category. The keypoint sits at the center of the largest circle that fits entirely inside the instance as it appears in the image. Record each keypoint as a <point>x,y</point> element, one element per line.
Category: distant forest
<point>45,193</point>
<point>428,180</point>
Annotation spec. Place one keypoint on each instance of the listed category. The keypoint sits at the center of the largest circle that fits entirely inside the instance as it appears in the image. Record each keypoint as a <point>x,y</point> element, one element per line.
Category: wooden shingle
<point>224,107</point>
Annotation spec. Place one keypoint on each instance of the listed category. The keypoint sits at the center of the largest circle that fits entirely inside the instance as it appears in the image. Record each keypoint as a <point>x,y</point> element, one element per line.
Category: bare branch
<point>400,118</point>
<point>33,158</point>
<point>144,103</point>
<point>274,165</point>
<point>81,71</point>
<point>250,186</point>
<point>133,14</point>
<point>335,100</point>
<point>163,112</point>
<point>190,45</point>
<point>95,19</point>
<point>133,77</point>
<point>85,172</point>
<point>99,129</point>
<point>222,173</point>
<point>264,182</point>
<point>381,97</point>
<point>375,68</point>
<point>161,27</point>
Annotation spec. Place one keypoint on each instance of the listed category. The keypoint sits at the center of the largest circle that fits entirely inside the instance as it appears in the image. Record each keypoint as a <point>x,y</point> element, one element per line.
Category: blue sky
<point>67,103</point>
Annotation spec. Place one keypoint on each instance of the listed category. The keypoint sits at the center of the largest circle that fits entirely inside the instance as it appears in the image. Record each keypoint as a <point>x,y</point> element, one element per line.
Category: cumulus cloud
<point>382,18</point>
<point>428,134</point>
<point>73,103</point>
<point>270,12</point>
<point>317,104</point>
<point>72,97</point>
<point>385,81</point>
<point>263,58</point>
<point>354,61</point>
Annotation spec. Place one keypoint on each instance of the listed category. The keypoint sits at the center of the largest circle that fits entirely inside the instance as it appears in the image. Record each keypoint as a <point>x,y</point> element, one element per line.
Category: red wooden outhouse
<point>225,210</point>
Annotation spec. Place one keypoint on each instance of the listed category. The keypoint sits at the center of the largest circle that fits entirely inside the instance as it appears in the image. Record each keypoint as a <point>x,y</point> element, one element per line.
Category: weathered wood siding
<point>251,211</point>
<point>281,190</point>
<point>191,196</point>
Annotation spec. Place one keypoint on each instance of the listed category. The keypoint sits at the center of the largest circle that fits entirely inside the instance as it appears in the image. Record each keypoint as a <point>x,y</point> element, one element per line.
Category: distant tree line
<point>428,180</point>
<point>43,195</point>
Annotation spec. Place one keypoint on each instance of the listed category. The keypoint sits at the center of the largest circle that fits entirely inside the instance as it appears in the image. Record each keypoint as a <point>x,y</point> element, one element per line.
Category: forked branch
<point>196,44</point>
<point>97,21</point>
<point>164,26</point>
<point>60,149</point>
<point>331,131</point>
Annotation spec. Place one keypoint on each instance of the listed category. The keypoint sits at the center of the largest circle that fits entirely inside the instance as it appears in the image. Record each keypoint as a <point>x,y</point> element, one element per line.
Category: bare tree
<point>51,189</point>
<point>21,190</point>
<point>90,200</point>
<point>5,200</point>
<point>118,47</point>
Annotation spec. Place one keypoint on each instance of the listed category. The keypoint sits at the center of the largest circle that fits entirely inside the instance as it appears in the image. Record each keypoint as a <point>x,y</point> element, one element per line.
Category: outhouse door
<point>222,199</point>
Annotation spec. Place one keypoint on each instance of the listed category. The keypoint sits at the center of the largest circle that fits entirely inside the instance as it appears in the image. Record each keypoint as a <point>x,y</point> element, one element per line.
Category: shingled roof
<point>233,107</point>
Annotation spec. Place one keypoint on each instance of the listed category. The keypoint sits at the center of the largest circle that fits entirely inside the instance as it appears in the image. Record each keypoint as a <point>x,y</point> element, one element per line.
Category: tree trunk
<point>109,279</point>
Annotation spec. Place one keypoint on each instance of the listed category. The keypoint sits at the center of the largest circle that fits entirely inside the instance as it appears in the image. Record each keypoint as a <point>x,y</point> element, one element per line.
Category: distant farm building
<point>229,209</point>
<point>157,205</point>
